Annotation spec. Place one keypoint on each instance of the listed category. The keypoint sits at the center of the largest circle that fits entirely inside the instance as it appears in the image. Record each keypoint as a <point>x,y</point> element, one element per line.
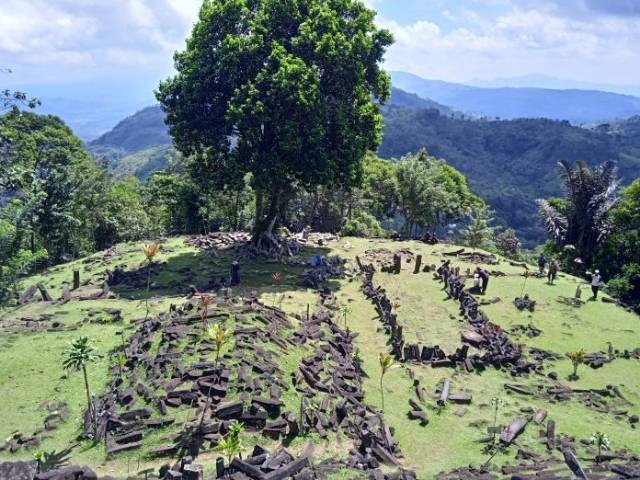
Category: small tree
<point>386,362</point>
<point>231,444</point>
<point>345,311</point>
<point>508,243</point>
<point>496,403</point>
<point>121,362</point>
<point>205,301</point>
<point>77,356</point>
<point>219,337</point>
<point>277,278</point>
<point>478,233</point>
<point>577,359</point>
<point>601,441</point>
<point>150,250</point>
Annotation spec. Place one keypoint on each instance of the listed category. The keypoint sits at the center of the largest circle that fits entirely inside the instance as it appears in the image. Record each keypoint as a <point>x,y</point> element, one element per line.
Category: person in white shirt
<point>596,283</point>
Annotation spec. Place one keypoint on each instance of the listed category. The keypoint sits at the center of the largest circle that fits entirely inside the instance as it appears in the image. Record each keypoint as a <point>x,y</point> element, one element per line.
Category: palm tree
<point>581,218</point>
<point>77,356</point>
<point>345,311</point>
<point>577,359</point>
<point>386,362</point>
<point>150,250</point>
<point>601,441</point>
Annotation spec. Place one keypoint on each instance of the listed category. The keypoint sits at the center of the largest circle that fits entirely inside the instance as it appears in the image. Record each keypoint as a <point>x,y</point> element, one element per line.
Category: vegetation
<point>77,357</point>
<point>219,337</point>
<point>577,359</point>
<point>510,164</point>
<point>231,445</point>
<point>300,106</point>
<point>601,441</point>
<point>386,362</point>
<point>420,307</point>
<point>597,227</point>
<point>581,220</point>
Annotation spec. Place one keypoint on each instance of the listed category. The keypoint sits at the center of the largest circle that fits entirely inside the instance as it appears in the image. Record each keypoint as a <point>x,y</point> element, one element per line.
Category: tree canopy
<point>286,91</point>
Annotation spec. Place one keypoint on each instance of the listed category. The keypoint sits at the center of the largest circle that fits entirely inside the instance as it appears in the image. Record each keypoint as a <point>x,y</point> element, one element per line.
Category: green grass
<point>31,373</point>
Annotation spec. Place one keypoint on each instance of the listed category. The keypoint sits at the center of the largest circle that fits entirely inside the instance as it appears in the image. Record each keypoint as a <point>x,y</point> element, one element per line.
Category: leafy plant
<point>582,219</point>
<point>601,441</point>
<point>219,337</point>
<point>79,354</point>
<point>577,359</point>
<point>121,362</point>
<point>386,362</point>
<point>231,444</point>
<point>497,403</point>
<point>345,311</point>
<point>205,301</point>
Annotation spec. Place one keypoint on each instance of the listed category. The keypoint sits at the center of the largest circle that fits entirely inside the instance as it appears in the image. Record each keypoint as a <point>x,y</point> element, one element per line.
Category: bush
<point>508,243</point>
<point>626,286</point>
<point>363,225</point>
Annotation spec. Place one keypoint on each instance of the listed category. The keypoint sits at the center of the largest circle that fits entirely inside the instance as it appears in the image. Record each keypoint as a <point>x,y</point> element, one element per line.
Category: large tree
<point>287,90</point>
<point>581,219</point>
<point>432,192</point>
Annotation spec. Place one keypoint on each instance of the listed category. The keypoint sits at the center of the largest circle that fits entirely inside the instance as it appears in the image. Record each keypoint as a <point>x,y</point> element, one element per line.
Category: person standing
<point>484,278</point>
<point>553,271</point>
<point>596,283</point>
<point>542,263</point>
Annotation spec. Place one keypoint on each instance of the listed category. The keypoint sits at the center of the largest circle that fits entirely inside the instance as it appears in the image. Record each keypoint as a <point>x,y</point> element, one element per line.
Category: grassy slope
<point>31,373</point>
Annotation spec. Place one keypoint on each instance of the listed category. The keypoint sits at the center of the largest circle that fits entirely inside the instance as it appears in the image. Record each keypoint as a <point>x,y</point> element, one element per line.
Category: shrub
<point>363,225</point>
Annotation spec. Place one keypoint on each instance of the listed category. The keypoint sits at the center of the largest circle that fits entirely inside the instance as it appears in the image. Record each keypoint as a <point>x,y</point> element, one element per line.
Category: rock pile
<point>245,385</point>
<point>220,240</point>
<point>315,277</point>
<point>499,351</point>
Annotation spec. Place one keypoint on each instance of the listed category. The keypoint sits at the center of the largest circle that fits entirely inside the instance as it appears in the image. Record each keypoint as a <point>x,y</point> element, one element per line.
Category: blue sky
<point>120,49</point>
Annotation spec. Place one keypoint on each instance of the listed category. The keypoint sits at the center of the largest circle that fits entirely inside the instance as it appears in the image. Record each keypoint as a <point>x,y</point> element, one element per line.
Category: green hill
<point>140,131</point>
<point>33,338</point>
<point>511,163</point>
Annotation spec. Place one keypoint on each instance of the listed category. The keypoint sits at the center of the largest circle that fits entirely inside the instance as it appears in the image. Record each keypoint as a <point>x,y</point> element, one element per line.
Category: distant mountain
<point>576,106</point>
<point>140,144</point>
<point>400,98</point>
<point>546,81</point>
<point>512,163</point>
<point>508,163</point>
<point>140,131</point>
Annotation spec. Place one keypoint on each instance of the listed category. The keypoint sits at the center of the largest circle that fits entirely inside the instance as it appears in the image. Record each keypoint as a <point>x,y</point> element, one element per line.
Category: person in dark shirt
<point>542,262</point>
<point>484,278</point>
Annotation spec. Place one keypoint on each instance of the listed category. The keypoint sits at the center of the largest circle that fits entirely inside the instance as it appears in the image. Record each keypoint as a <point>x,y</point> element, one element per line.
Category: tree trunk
<point>86,388</point>
<point>265,223</point>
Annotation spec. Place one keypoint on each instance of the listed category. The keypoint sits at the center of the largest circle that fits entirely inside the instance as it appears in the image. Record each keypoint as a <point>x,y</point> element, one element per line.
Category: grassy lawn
<point>32,374</point>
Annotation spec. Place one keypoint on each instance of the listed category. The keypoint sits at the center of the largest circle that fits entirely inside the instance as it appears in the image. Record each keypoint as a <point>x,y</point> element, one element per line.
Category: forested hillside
<point>511,163</point>
<point>508,163</point>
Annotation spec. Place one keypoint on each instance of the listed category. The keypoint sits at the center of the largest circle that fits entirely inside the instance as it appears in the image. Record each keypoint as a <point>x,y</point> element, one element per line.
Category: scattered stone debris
<point>328,268</point>
<point>570,301</point>
<point>525,303</point>
<point>498,350</point>
<point>529,330</point>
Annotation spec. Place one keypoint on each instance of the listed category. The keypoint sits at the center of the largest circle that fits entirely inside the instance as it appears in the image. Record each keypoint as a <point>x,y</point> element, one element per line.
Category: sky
<point>120,49</point>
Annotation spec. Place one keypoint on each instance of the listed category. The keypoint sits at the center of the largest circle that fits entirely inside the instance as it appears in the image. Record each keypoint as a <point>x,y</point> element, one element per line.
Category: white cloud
<point>522,41</point>
<point>592,40</point>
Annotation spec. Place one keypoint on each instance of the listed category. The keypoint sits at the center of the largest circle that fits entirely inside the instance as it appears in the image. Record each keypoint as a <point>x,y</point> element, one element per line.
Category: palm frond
<point>554,222</point>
